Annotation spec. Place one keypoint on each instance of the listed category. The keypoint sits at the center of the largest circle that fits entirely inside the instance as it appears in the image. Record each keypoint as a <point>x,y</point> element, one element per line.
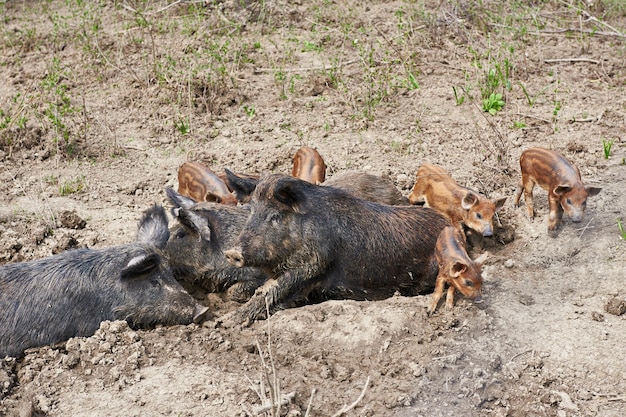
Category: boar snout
<point>488,231</point>
<point>235,257</point>
<point>478,299</point>
<point>199,313</point>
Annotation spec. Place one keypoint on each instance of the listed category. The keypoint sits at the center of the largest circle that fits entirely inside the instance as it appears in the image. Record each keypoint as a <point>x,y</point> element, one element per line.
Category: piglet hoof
<point>200,313</point>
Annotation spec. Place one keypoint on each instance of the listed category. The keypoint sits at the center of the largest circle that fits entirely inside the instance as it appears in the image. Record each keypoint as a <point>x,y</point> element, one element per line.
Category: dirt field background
<point>101,102</point>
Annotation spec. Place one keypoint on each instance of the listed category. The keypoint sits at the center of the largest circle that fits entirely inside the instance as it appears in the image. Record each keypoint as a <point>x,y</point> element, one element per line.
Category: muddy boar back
<point>368,187</point>
<point>202,184</point>
<point>69,294</point>
<point>459,204</point>
<point>322,242</point>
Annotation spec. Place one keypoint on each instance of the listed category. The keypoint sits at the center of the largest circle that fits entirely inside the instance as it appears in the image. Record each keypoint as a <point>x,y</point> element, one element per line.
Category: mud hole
<point>103,101</point>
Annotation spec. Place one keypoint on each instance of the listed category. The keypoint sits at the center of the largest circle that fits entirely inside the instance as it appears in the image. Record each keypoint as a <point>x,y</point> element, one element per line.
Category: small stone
<point>595,316</point>
<point>509,263</point>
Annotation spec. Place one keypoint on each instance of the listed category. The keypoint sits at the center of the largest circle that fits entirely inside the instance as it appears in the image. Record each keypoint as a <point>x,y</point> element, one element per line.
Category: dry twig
<point>355,403</point>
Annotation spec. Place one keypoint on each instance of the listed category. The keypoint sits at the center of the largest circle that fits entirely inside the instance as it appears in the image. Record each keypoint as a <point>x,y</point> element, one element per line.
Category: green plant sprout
<point>606,147</point>
<point>620,226</point>
<point>493,103</point>
<point>458,98</point>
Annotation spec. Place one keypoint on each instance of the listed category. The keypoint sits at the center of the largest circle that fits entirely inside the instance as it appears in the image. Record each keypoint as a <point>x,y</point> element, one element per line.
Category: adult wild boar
<point>324,243</point>
<point>49,300</point>
<point>195,249</point>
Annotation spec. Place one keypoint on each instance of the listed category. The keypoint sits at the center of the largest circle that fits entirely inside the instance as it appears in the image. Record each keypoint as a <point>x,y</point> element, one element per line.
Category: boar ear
<point>242,187</point>
<point>457,268</point>
<point>562,189</point>
<point>481,259</point>
<point>469,200</point>
<point>153,227</point>
<point>500,203</point>
<point>289,193</point>
<point>592,190</point>
<point>140,265</point>
<point>198,224</point>
<point>179,200</point>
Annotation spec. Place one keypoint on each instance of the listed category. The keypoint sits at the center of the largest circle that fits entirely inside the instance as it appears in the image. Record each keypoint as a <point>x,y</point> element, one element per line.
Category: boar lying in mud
<point>459,204</point>
<point>323,243</point>
<point>201,184</point>
<point>456,269</point>
<point>309,166</point>
<point>49,300</point>
<point>555,174</point>
<point>360,184</point>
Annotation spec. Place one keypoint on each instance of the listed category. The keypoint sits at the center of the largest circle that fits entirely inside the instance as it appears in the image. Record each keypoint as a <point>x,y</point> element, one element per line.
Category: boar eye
<point>479,216</point>
<point>568,201</point>
<point>469,283</point>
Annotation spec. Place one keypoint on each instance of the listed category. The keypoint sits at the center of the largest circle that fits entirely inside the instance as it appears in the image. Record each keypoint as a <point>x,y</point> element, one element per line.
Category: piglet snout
<point>478,299</point>
<point>234,256</point>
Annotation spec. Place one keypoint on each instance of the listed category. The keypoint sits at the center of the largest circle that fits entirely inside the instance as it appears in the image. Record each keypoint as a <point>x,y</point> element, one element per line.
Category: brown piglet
<point>560,178</point>
<point>201,184</point>
<point>461,205</point>
<point>456,269</point>
<point>309,166</point>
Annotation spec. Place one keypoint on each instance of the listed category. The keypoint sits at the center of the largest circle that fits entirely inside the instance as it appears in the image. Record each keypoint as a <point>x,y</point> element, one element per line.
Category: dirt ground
<point>101,102</point>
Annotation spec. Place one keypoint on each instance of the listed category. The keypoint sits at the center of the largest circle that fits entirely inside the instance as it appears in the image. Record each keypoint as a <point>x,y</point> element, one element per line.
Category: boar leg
<point>439,286</point>
<point>292,286</point>
<point>518,193</point>
<point>528,185</point>
<point>450,297</point>
<point>556,213</point>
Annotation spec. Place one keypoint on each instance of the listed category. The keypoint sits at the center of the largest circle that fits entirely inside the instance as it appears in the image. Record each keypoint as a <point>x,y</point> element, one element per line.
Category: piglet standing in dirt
<point>308,165</point>
<point>201,184</point>
<point>49,300</point>
<point>459,204</point>
<point>195,248</point>
<point>456,269</point>
<point>324,243</point>
<point>560,178</point>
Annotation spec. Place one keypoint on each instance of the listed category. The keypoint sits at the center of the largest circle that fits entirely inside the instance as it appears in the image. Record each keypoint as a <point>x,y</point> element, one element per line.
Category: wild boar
<point>459,204</point>
<point>560,178</point>
<point>359,184</point>
<point>456,269</point>
<point>324,243</point>
<point>49,300</point>
<point>201,184</point>
<point>195,249</point>
<point>308,165</point>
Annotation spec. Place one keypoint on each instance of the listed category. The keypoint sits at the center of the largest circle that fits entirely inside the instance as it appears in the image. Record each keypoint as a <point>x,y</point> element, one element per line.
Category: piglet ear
<point>457,269</point>
<point>592,190</point>
<point>153,227</point>
<point>469,200</point>
<point>562,189</point>
<point>500,203</point>
<point>289,191</point>
<point>140,265</point>
<point>242,187</point>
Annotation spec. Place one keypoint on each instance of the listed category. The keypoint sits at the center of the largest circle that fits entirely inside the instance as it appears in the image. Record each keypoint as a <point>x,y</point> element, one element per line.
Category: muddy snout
<point>234,256</point>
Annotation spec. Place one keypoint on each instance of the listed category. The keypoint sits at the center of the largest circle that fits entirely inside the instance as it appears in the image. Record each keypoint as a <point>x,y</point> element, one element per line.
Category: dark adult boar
<point>359,184</point>
<point>49,300</point>
<point>324,243</point>
<point>195,249</point>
